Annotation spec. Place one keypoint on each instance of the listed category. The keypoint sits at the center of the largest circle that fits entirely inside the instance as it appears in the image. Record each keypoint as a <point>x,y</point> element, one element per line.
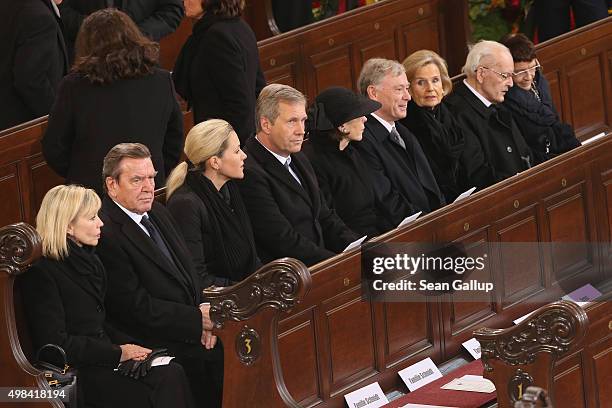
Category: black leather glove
<point>142,368</point>
<point>126,367</point>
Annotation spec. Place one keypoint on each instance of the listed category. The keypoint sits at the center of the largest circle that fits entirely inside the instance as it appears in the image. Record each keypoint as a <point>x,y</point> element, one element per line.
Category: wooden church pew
<point>245,318</point>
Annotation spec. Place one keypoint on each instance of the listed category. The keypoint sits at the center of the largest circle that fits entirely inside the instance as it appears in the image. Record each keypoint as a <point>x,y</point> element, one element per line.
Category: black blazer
<point>33,62</point>
<point>347,186</point>
<point>155,18</point>
<point>64,308</point>
<point>148,297</point>
<point>219,74</point>
<point>87,120</point>
<point>505,150</point>
<point>403,180</point>
<point>289,219</point>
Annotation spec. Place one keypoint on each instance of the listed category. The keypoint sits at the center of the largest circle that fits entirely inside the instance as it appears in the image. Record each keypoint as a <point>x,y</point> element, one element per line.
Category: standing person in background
<point>207,206</point>
<point>155,18</point>
<point>553,16</point>
<point>531,103</point>
<point>34,59</point>
<point>115,93</point>
<point>218,71</point>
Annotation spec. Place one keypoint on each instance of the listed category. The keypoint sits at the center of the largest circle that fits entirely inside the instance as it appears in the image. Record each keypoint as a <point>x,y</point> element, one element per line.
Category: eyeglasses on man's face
<point>503,75</point>
<point>530,70</point>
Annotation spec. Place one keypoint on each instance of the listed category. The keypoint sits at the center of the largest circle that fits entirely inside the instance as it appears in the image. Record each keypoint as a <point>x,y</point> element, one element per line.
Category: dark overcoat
<point>87,120</point>
<point>403,180</point>
<point>289,219</point>
<point>219,74</point>
<point>63,306</point>
<point>347,186</point>
<point>505,150</point>
<point>34,60</point>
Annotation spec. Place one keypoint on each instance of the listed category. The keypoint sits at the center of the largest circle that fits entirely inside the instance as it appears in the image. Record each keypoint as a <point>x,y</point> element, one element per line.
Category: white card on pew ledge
<point>370,396</point>
<point>472,385</point>
<point>409,219</point>
<point>161,361</point>
<point>355,244</point>
<point>520,319</point>
<point>594,138</point>
<point>424,406</point>
<point>420,374</point>
<point>583,295</point>
<point>473,347</point>
<point>465,194</point>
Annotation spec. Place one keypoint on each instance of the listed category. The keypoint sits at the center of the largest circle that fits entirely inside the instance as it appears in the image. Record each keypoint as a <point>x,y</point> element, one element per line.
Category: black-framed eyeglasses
<point>531,70</point>
<point>503,75</point>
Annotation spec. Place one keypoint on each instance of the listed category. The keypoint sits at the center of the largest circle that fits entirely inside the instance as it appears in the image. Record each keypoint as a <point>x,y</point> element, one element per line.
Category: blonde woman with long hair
<point>207,205</point>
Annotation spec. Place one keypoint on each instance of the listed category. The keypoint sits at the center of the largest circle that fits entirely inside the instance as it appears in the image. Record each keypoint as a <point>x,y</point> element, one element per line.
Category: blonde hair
<point>204,140</point>
<point>61,206</point>
<point>422,58</point>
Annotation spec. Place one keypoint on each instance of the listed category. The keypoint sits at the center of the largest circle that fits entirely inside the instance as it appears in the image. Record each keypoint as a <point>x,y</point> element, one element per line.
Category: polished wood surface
<point>524,355</point>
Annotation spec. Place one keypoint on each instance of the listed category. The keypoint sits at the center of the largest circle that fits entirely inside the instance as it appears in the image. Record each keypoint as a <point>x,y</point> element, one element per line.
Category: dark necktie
<point>157,238</point>
<point>291,169</point>
<point>396,138</point>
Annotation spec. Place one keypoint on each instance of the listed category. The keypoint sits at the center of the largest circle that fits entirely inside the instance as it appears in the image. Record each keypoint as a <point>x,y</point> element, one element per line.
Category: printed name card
<point>473,347</point>
<point>471,383</point>
<point>583,295</point>
<point>370,396</point>
<point>409,219</point>
<point>420,374</point>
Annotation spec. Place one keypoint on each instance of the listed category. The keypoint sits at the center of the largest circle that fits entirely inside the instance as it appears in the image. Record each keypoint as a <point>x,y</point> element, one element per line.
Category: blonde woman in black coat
<point>208,207</point>
<point>64,303</point>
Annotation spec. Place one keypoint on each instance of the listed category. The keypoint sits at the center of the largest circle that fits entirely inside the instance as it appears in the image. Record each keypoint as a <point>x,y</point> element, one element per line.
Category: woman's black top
<point>538,121</point>
<point>346,185</point>
<point>64,305</point>
<point>216,228</point>
<point>443,143</point>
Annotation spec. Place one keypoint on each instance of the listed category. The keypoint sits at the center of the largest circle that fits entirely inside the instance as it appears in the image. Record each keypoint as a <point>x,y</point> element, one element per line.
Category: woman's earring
<point>343,130</point>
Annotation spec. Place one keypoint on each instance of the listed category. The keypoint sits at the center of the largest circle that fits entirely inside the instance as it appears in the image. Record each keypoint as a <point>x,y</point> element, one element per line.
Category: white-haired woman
<point>208,208</point>
<point>64,303</point>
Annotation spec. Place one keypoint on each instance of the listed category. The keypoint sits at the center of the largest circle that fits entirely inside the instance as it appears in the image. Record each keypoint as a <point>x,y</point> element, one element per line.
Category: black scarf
<point>182,68</point>
<point>85,262</point>
<point>442,142</point>
<point>234,245</point>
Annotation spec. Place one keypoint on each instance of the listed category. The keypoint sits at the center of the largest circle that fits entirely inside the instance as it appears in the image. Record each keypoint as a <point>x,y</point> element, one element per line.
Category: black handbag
<point>62,379</point>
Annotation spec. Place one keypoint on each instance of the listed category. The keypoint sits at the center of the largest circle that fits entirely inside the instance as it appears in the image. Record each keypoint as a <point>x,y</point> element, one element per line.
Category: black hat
<point>335,106</point>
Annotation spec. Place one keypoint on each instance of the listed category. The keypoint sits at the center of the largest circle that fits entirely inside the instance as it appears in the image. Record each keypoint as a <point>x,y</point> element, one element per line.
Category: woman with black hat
<point>335,120</point>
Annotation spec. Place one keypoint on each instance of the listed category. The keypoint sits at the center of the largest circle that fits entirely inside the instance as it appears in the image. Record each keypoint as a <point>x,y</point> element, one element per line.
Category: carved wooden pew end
<point>524,355</point>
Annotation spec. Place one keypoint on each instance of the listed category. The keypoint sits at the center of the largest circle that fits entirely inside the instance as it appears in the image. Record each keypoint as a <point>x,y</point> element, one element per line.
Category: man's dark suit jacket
<point>403,180</point>
<point>34,60</point>
<point>505,149</point>
<point>148,297</point>
<point>155,18</point>
<point>289,219</point>
<point>87,120</point>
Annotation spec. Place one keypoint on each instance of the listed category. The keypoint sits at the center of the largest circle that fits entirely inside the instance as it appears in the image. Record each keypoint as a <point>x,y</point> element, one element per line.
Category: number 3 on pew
<point>248,345</point>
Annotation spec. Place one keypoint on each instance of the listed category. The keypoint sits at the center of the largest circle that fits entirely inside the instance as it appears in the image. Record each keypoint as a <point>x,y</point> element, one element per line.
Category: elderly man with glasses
<point>476,104</point>
<point>531,103</point>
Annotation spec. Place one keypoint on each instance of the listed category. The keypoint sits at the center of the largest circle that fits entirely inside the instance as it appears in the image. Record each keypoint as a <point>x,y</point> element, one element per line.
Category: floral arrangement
<point>492,19</point>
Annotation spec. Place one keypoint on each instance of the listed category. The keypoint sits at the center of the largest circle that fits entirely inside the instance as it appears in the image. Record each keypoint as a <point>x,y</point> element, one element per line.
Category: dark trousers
<point>204,369</point>
<point>553,16</point>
